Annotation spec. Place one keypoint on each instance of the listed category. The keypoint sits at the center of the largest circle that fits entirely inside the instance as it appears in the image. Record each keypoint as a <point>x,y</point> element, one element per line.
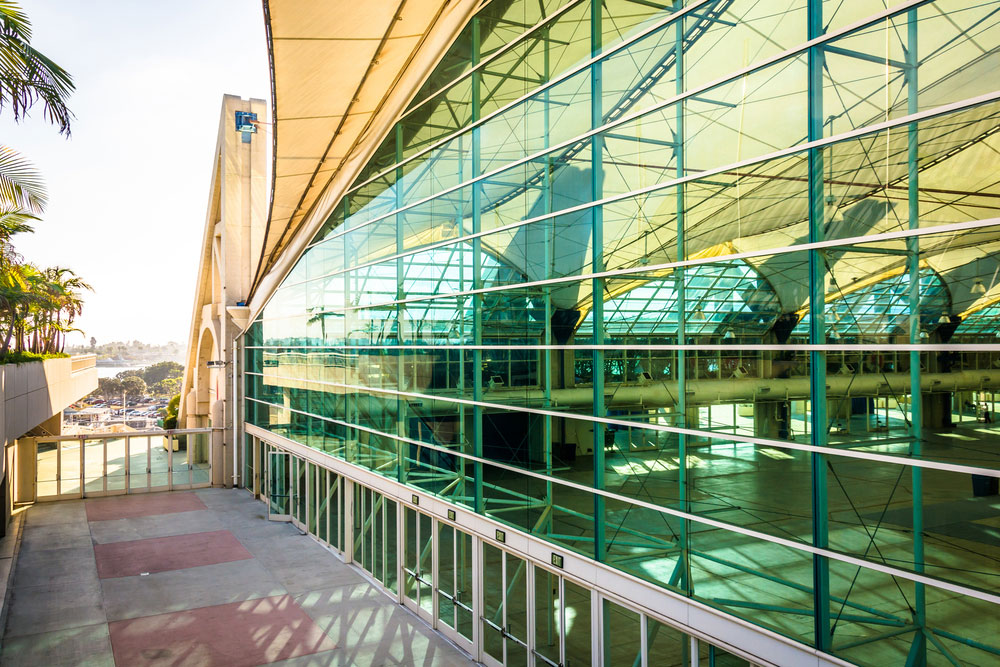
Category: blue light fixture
<point>246,124</point>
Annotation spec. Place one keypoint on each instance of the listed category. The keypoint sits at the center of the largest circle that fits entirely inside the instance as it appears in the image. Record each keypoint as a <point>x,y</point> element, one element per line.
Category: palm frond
<point>16,221</point>
<point>21,186</point>
<point>27,76</point>
<point>12,15</point>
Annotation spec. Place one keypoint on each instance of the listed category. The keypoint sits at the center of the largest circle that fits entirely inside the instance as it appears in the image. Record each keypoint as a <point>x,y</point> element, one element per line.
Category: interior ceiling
<point>338,71</point>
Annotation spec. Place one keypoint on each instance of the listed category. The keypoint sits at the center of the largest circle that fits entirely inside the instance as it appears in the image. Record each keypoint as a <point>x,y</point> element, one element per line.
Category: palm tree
<point>14,300</point>
<point>64,288</point>
<point>33,303</point>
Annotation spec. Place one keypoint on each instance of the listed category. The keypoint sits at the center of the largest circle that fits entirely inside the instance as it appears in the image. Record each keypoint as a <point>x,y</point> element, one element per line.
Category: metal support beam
<point>682,575</point>
<point>597,284</point>
<point>918,653</point>
<point>401,408</point>
<point>477,274</point>
<point>549,259</point>
<point>817,335</point>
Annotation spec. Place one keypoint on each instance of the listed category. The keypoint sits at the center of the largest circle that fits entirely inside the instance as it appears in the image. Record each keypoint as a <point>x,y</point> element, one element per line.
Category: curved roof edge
<point>341,73</point>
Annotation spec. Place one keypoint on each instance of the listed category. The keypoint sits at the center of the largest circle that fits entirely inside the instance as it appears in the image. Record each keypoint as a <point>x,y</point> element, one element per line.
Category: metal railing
<point>102,464</point>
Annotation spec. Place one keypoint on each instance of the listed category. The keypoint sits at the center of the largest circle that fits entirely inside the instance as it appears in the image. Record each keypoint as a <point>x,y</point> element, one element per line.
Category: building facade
<point>660,334</point>
<point>230,245</point>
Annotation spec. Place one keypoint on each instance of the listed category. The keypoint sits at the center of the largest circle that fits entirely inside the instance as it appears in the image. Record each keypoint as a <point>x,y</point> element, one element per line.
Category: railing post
<point>170,461</point>
<point>34,482</point>
<point>128,483</point>
<point>83,469</point>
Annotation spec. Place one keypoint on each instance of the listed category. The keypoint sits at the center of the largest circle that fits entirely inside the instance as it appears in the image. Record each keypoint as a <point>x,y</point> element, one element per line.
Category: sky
<point>128,191</point>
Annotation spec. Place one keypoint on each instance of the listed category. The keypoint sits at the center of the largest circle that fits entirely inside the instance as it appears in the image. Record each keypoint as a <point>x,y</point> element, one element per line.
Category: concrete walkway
<point>196,578</point>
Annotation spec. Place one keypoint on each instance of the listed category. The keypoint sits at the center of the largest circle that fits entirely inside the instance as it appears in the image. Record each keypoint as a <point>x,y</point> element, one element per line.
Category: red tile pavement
<point>253,632</point>
<point>128,507</point>
<point>159,554</point>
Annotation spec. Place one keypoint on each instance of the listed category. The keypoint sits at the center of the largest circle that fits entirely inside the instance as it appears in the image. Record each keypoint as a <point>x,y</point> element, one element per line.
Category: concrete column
<point>766,420</point>
<point>192,418</point>
<point>838,412</point>
<point>23,470</point>
<point>936,410</point>
<point>568,368</point>
<point>221,455</point>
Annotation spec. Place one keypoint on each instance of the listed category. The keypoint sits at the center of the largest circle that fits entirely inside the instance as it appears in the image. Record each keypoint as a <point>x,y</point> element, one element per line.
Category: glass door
<point>278,483</point>
<point>418,559</point>
<point>505,608</point>
<point>455,585</point>
<point>139,464</point>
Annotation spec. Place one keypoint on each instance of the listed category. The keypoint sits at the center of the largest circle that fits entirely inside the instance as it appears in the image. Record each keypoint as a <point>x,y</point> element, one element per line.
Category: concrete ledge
<point>34,392</point>
<point>10,546</point>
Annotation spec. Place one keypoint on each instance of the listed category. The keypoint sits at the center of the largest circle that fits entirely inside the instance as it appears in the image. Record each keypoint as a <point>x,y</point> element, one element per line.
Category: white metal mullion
<point>318,471</point>
<point>368,548</point>
<point>477,597</point>
<point>341,511</point>
<point>255,482</point>
<point>58,469</point>
<point>529,582</point>
<point>348,527</point>
<point>385,540</point>
<point>128,457</point>
<point>331,504</point>
<point>83,470</point>
<point>503,605</point>
<point>643,640</point>
<point>418,573</point>
<point>435,573</point>
<point>780,444</point>
<point>561,582</point>
<point>596,630</point>
<point>104,463</point>
<point>458,539</point>
<point>290,488</point>
<point>34,479</point>
<point>400,552</point>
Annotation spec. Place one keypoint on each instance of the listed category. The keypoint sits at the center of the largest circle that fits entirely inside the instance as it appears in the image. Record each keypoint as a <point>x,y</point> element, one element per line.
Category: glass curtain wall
<point>706,291</point>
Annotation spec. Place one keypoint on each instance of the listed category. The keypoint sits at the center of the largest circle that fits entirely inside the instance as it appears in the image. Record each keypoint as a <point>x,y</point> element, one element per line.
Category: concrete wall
<point>33,394</point>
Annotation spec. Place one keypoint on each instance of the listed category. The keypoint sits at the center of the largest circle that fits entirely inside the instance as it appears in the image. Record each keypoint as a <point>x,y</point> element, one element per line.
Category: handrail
<point>130,434</point>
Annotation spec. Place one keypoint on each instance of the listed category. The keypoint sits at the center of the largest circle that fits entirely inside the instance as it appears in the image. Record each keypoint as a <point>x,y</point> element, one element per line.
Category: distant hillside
<point>133,351</point>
